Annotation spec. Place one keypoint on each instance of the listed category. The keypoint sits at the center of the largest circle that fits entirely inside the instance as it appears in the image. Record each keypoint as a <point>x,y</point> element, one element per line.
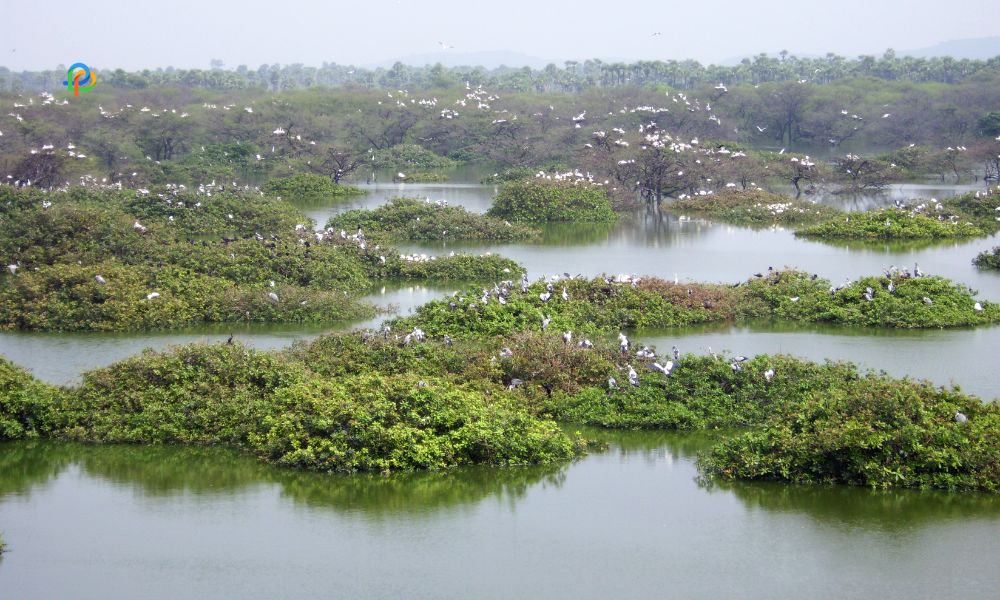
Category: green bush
<point>413,219</point>
<point>872,432</point>
<point>274,407</point>
<point>537,200</point>
<point>309,187</point>
<point>752,207</point>
<point>988,259</point>
<point>410,156</point>
<point>25,403</point>
<point>892,223</point>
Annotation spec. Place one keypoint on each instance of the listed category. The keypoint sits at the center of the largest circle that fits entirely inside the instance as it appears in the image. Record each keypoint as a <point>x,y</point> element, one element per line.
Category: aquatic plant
<point>540,200</point>
<point>414,219</point>
<point>988,259</point>
<point>276,408</point>
<point>751,207</point>
<point>25,403</point>
<point>309,187</point>
<point>893,223</point>
<point>874,432</point>
<point>409,156</point>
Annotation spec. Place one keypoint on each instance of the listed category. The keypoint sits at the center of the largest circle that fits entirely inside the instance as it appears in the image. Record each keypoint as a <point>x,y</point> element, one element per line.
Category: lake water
<point>634,521</point>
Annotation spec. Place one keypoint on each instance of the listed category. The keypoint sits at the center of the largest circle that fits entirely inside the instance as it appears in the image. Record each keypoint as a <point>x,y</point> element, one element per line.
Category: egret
<point>515,382</point>
<point>769,375</point>
<point>545,322</point>
<point>961,418</point>
<point>633,377</point>
<point>272,296</point>
<point>928,301</point>
<point>152,295</point>
<point>612,383</point>
<point>978,307</point>
<point>665,369</point>
<point>567,337</point>
<point>12,268</point>
<point>100,279</point>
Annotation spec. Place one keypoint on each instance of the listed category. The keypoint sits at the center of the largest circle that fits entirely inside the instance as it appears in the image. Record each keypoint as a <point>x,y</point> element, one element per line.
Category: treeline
<point>572,76</point>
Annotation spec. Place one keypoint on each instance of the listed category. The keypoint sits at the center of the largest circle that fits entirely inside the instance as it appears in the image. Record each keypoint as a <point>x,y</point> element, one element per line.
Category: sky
<point>187,33</point>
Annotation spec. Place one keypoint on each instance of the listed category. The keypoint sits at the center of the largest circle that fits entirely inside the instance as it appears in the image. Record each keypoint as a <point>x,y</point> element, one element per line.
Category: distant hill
<point>977,48</point>
<point>489,59</point>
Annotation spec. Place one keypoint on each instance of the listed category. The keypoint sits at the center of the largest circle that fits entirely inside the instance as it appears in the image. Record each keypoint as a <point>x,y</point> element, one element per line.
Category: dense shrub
<point>892,223</point>
<point>274,407</point>
<point>752,207</point>
<point>873,432</point>
<point>25,403</point>
<point>988,259</point>
<point>602,304</point>
<point>538,200</point>
<point>410,156</point>
<point>413,219</point>
<point>309,187</point>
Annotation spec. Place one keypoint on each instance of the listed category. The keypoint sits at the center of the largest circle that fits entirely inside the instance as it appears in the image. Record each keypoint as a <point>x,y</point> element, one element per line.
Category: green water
<point>631,522</point>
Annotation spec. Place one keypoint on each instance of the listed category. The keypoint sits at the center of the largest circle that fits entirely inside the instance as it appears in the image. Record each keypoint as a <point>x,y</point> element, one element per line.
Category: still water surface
<point>633,522</point>
<point>110,522</point>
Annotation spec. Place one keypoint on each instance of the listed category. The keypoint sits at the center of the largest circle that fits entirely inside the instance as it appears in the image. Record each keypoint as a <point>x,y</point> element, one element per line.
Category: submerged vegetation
<point>539,200</point>
<point>414,219</point>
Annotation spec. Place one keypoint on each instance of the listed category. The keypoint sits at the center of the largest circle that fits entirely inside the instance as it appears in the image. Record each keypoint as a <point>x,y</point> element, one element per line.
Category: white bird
<point>272,296</point>
<point>665,369</point>
<point>567,337</point>
<point>545,322</point>
<point>139,227</point>
<point>961,418</point>
<point>152,295</point>
<point>565,296</point>
<point>928,301</point>
<point>100,279</point>
<point>544,296</point>
<point>769,375</point>
<point>612,383</point>
<point>978,307</point>
<point>633,377</point>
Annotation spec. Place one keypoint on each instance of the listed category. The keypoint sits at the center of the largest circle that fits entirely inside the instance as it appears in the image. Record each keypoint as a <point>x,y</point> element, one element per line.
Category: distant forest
<point>572,76</point>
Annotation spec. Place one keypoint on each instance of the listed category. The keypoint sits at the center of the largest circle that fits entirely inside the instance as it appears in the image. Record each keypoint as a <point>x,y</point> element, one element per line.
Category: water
<point>634,521</point>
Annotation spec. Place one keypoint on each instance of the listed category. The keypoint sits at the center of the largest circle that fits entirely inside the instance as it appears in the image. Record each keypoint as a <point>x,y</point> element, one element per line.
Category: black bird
<point>230,340</point>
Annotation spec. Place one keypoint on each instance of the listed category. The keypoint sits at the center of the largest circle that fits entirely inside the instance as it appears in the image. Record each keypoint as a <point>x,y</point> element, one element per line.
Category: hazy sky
<point>132,34</point>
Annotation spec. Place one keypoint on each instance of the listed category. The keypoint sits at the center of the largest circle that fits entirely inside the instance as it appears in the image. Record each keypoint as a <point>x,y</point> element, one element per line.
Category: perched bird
<point>272,296</point>
<point>515,382</point>
<point>12,268</point>
<point>961,418</point>
<point>665,369</point>
<point>506,353</point>
<point>769,375</point>
<point>928,301</point>
<point>736,367</point>
<point>567,337</point>
<point>978,307</point>
<point>152,295</point>
<point>633,377</point>
<point>612,383</point>
<point>677,353</point>
<point>545,322</point>
<point>447,340</point>
<point>100,280</point>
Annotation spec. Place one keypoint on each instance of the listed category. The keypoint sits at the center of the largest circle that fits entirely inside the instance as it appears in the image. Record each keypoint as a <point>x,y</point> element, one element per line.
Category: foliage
<point>25,403</point>
<point>460,267</point>
<point>874,432</point>
<point>988,259</point>
<point>604,305</point>
<point>273,407</point>
<point>891,223</point>
<point>534,200</point>
<point>752,207</point>
<point>425,177</point>
<point>413,219</point>
<point>69,297</point>
<point>410,156</point>
<point>309,187</point>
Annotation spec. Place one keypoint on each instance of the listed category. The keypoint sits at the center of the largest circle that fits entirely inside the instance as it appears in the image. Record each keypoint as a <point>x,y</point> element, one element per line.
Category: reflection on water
<point>168,522</point>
